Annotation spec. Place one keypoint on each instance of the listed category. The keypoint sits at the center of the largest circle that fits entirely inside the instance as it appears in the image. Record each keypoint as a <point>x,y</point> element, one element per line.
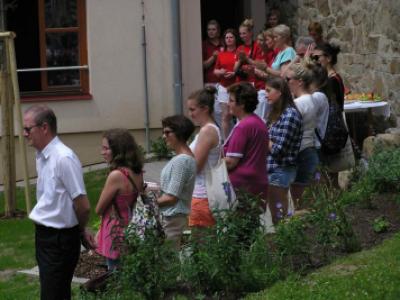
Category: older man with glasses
<point>62,209</point>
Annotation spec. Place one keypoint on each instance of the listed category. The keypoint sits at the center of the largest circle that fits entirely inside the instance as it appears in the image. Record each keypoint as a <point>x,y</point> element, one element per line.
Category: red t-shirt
<point>226,60</point>
<point>208,50</point>
<point>252,51</point>
<point>268,57</point>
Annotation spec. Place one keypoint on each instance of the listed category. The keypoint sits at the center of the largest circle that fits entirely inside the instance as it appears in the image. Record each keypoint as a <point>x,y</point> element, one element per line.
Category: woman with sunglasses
<point>206,148</point>
<point>285,131</point>
<point>300,76</point>
<point>326,54</point>
<point>177,178</point>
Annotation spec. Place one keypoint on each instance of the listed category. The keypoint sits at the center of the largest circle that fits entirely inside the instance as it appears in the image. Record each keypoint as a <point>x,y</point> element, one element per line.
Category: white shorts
<point>262,107</point>
<point>223,95</point>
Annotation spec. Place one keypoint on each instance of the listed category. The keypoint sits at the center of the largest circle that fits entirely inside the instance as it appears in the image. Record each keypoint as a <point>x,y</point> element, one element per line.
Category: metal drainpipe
<point>146,93</point>
<point>176,55</point>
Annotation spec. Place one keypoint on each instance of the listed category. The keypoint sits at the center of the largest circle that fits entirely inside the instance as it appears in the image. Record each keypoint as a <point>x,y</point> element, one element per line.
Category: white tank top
<point>200,190</point>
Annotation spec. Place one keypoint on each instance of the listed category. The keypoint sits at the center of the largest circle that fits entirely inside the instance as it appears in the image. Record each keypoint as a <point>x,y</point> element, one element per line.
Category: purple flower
<point>332,216</point>
<point>289,214</point>
<point>278,205</point>
<point>317,176</point>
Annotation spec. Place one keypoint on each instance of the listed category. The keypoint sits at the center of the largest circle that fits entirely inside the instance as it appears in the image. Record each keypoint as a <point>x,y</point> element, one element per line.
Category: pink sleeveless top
<point>111,233</point>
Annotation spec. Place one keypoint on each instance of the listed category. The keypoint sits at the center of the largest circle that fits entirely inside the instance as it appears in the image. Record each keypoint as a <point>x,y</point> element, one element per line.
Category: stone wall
<point>367,32</point>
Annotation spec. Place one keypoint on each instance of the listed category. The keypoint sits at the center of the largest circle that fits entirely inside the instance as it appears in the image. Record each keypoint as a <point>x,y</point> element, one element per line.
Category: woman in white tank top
<point>206,148</point>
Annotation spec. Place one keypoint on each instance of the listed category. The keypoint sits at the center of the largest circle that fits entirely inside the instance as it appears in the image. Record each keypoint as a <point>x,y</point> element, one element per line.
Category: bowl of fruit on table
<point>363,97</point>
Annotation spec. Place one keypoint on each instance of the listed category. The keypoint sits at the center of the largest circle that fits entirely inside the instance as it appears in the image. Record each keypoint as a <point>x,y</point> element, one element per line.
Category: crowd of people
<point>265,108</point>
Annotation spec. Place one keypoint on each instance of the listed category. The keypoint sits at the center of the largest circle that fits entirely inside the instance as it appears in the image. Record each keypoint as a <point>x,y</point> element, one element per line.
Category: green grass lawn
<point>17,249</point>
<point>371,274</point>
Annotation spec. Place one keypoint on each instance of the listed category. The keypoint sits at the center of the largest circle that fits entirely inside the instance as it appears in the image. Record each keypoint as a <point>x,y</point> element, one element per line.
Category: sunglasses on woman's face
<point>316,57</point>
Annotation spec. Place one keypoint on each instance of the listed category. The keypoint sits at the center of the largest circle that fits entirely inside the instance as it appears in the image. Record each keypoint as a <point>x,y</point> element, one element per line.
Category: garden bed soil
<point>361,218</point>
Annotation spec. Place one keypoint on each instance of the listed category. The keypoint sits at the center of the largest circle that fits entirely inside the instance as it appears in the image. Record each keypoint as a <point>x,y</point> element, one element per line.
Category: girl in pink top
<point>119,194</point>
<point>246,148</point>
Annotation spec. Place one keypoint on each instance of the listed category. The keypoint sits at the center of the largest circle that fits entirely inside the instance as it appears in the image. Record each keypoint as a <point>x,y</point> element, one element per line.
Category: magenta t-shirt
<point>249,142</point>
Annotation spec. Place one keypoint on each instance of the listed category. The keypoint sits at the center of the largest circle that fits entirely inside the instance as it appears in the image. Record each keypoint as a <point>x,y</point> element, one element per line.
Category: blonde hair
<point>303,71</point>
<point>283,31</point>
<point>269,32</point>
<point>248,23</point>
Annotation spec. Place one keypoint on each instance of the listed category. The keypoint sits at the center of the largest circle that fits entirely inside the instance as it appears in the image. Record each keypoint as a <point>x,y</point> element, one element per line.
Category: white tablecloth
<point>378,108</point>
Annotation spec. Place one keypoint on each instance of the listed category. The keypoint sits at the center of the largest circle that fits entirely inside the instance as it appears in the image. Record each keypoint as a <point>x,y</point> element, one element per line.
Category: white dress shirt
<point>59,182</point>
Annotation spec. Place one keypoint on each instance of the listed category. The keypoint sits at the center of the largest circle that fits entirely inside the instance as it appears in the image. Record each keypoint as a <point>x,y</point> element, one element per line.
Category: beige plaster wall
<point>117,75</point>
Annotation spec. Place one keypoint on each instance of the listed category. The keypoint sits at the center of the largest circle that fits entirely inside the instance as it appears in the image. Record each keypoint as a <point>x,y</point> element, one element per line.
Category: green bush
<point>382,176</point>
<point>329,221</point>
<point>223,257</point>
<point>160,149</point>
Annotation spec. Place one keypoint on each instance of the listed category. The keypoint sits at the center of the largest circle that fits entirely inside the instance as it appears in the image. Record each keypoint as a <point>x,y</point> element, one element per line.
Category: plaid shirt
<point>285,134</point>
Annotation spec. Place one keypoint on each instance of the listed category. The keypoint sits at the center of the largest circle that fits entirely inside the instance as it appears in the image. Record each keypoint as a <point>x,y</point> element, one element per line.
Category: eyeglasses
<point>167,132</point>
<point>28,129</point>
<point>316,57</point>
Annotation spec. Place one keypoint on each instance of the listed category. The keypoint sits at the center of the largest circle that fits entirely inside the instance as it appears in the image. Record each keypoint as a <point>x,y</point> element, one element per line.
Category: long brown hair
<point>124,149</point>
<point>285,100</point>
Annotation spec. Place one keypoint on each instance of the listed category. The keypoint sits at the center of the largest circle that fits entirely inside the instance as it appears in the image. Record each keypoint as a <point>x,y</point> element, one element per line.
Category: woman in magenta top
<point>246,148</point>
<point>119,194</point>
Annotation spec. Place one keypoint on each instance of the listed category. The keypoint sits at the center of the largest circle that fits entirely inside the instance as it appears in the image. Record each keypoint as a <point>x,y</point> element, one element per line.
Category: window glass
<point>62,50</point>
<point>60,13</point>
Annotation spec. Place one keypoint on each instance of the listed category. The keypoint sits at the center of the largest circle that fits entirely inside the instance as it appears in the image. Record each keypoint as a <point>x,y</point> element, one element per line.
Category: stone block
<point>372,44</point>
<point>379,142</point>
<point>346,34</point>
<point>341,19</point>
<point>323,7</point>
<point>394,66</point>
<point>394,130</point>
<point>358,16</point>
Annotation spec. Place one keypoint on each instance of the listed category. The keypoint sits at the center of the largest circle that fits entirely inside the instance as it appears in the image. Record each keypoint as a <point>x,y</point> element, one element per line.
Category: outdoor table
<point>372,108</point>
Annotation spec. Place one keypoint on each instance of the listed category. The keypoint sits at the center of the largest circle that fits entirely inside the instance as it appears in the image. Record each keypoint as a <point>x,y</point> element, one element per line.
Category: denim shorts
<point>307,162</point>
<point>282,176</point>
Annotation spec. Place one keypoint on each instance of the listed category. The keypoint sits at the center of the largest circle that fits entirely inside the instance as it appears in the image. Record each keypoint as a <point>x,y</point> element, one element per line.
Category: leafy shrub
<point>160,149</point>
<point>291,242</point>
<point>382,176</point>
<point>381,224</point>
<point>232,257</point>
<point>150,267</point>
<point>327,217</point>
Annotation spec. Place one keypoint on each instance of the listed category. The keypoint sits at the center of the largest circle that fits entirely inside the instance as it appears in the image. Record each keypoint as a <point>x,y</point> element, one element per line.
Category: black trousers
<point>57,254</point>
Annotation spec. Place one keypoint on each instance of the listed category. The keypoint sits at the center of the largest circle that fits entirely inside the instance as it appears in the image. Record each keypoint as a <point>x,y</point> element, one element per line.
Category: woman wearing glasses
<point>177,178</point>
<point>326,54</point>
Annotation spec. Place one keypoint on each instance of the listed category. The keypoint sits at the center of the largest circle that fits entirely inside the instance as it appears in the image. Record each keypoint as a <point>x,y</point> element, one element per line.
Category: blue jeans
<point>282,176</point>
<point>307,161</point>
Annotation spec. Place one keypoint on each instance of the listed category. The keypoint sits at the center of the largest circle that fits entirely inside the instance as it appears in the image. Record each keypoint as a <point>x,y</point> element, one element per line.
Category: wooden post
<point>12,64</point>
<point>6,141</point>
